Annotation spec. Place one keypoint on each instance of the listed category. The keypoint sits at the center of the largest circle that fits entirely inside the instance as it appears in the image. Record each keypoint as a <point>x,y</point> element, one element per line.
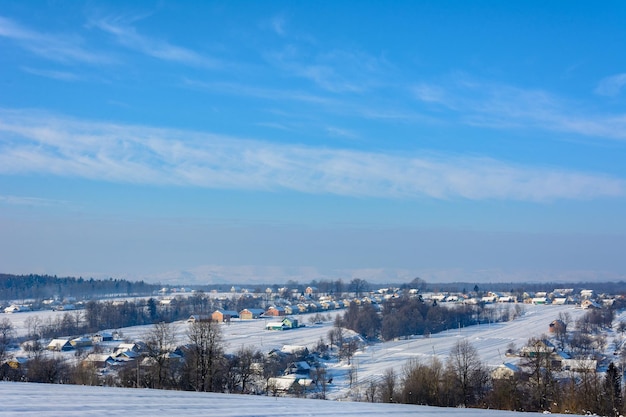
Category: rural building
<point>14,308</point>
<point>588,304</point>
<point>286,324</point>
<point>505,371</point>
<point>198,317</point>
<point>82,342</point>
<point>251,313</point>
<point>98,360</point>
<point>60,345</point>
<point>558,327</point>
<point>274,311</point>
<point>221,316</point>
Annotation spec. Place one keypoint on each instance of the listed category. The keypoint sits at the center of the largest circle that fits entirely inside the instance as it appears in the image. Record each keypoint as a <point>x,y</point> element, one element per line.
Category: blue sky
<point>479,141</point>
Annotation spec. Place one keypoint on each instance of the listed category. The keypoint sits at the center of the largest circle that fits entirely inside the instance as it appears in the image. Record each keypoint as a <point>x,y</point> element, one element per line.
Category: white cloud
<point>55,75</point>
<point>157,48</point>
<point>56,47</point>
<point>341,132</point>
<point>335,71</point>
<point>40,143</point>
<point>611,86</point>
<point>277,24</point>
<point>15,200</point>
<point>504,107</point>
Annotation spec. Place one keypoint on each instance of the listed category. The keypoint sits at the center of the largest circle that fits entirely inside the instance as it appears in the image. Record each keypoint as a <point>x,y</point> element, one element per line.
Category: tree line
<point>533,386</point>
<point>40,287</point>
<point>198,363</point>
<point>406,315</point>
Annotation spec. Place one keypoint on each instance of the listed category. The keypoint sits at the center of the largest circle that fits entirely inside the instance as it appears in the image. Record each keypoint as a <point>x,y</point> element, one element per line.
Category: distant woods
<point>405,316</point>
<point>39,287</point>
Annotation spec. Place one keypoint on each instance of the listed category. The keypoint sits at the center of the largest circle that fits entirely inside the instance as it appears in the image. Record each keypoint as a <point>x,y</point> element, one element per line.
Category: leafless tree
<point>7,332</point>
<point>541,383</point>
<point>160,342</point>
<point>469,371</point>
<point>205,355</point>
<point>388,386</point>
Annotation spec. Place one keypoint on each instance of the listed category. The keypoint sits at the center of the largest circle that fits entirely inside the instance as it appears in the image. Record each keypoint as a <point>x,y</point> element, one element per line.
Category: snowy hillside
<point>46,400</point>
<point>371,362</point>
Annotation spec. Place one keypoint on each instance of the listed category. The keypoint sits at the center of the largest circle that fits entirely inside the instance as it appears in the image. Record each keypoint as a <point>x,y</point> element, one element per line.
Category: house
<point>127,347</point>
<point>579,365</point>
<point>540,300</point>
<point>14,308</point>
<point>294,349</point>
<point>221,316</point>
<point>281,385</point>
<point>125,356</point>
<point>288,383</point>
<point>12,368</point>
<point>488,299</point>
<point>505,371</point>
<point>60,345</point>
<point>251,313</point>
<point>586,294</point>
<point>17,362</point>
<point>286,324</point>
<point>507,299</point>
<point>198,317</point>
<point>588,304</point>
<point>541,347</point>
<point>65,307</point>
<point>98,360</point>
<point>558,327</point>
<point>274,311</point>
<point>301,368</point>
<point>80,342</point>
<point>102,337</point>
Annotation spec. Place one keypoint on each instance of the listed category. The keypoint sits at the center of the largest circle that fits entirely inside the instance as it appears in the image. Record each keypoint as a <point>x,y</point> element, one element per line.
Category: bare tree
<point>541,382</point>
<point>245,368</point>
<point>468,370</point>
<point>33,327</point>
<point>205,355</point>
<point>358,286</point>
<point>421,382</point>
<point>7,332</point>
<point>388,386</point>
<point>321,380</point>
<point>371,391</point>
<point>160,342</point>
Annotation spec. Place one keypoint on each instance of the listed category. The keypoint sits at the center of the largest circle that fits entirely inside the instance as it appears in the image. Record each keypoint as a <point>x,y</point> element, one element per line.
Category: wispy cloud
<point>244,90</point>
<point>277,23</point>
<point>56,47</point>
<point>504,106</point>
<point>341,132</point>
<point>611,86</point>
<point>41,143</point>
<point>54,74</point>
<point>30,201</point>
<point>128,36</point>
<point>335,71</point>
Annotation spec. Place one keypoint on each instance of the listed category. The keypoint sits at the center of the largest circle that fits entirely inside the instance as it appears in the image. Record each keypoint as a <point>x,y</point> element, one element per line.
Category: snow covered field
<point>46,400</point>
<point>491,341</point>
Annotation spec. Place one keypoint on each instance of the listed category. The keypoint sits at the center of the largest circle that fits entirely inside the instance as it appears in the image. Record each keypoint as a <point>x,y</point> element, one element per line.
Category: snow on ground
<point>370,363</point>
<point>47,400</point>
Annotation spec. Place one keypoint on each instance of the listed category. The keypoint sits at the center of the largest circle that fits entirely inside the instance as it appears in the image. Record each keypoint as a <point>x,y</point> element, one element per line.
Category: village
<point>295,345</point>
